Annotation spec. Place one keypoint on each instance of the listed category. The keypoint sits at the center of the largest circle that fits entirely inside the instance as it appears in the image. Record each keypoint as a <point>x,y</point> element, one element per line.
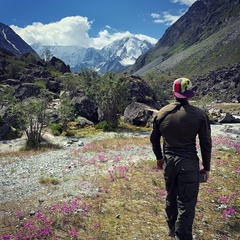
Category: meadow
<point>129,203</point>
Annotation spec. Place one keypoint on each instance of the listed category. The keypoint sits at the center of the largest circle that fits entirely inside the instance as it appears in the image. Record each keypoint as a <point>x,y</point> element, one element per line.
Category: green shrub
<point>32,143</point>
<point>41,83</point>
<point>106,126</point>
<point>49,180</point>
<point>15,68</point>
<point>69,133</point>
<point>56,129</point>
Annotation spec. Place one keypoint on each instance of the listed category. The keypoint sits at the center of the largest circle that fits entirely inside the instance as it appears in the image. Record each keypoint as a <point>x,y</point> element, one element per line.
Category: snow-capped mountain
<point>113,57</point>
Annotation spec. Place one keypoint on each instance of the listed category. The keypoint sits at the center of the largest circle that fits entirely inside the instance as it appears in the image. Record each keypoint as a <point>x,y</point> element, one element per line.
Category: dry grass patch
<point>118,143</point>
<point>44,147</point>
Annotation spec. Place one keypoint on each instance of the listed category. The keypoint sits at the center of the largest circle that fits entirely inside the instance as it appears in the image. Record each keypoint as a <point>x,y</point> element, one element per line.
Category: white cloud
<point>104,38</point>
<point>166,18</point>
<point>185,2</point>
<point>70,31</point>
<point>155,15</point>
<point>144,37</point>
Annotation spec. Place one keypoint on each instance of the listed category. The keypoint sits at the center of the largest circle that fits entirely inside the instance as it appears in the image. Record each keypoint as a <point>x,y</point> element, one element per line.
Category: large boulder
<point>59,65</point>
<point>11,82</point>
<point>4,129</point>
<point>139,114</point>
<point>34,71</point>
<point>27,90</point>
<point>26,78</point>
<point>141,92</point>
<point>228,118</point>
<point>53,85</point>
<point>87,108</point>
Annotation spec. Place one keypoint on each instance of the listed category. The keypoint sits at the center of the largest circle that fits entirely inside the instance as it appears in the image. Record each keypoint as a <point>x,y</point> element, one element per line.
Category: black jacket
<point>179,124</point>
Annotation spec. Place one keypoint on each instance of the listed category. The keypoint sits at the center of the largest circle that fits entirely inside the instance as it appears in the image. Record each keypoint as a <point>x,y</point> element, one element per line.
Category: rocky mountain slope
<point>205,38</point>
<point>10,41</point>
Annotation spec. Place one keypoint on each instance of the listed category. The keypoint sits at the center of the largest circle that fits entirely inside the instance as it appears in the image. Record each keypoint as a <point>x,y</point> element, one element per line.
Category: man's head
<point>182,88</point>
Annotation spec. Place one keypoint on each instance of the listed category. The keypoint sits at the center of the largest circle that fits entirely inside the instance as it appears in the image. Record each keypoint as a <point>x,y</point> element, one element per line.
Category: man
<point>179,124</point>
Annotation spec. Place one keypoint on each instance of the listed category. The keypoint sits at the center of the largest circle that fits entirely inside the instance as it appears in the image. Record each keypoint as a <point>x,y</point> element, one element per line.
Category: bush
<point>31,116</point>
<point>56,128</point>
<point>32,143</point>
<point>41,83</point>
<point>69,133</point>
<point>15,69</point>
<point>106,126</point>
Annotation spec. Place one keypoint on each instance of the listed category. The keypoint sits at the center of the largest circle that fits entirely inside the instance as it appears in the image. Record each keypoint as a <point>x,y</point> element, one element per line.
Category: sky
<point>90,23</point>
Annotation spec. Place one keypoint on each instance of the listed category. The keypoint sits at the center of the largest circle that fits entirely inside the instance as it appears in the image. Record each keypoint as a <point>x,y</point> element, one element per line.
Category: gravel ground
<point>20,176</point>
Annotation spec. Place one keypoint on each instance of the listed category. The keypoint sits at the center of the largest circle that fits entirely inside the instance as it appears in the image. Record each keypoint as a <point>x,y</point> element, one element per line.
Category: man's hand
<point>160,164</point>
<point>207,175</point>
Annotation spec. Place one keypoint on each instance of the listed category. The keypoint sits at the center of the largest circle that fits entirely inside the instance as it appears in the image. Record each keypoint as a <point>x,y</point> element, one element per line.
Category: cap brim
<point>185,95</point>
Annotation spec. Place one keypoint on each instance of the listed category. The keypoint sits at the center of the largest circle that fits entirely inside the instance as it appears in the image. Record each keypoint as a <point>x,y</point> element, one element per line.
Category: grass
<point>44,147</point>
<point>49,180</point>
<point>129,202</point>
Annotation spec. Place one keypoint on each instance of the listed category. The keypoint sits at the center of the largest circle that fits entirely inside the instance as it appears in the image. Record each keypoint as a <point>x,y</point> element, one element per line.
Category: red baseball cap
<point>182,88</point>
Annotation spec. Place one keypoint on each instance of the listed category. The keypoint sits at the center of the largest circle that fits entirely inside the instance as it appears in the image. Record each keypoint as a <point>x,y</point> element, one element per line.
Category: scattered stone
<point>83,122</point>
<point>40,201</point>
<point>32,213</point>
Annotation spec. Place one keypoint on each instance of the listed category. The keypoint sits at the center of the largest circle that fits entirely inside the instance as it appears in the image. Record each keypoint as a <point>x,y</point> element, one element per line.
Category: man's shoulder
<point>198,109</point>
<point>166,109</point>
<point>169,106</point>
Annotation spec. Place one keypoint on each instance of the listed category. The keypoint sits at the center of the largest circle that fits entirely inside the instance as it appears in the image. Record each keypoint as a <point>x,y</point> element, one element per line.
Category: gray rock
<point>27,90</point>
<point>86,107</point>
<point>82,122</point>
<point>227,118</point>
<point>139,114</point>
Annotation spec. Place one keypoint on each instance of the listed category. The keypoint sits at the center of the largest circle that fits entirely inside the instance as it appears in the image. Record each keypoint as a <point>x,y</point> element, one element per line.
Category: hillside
<point>205,38</point>
<point>13,43</point>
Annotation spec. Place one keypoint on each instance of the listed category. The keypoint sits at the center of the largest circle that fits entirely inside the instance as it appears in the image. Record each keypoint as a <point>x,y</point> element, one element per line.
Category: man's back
<point>181,126</point>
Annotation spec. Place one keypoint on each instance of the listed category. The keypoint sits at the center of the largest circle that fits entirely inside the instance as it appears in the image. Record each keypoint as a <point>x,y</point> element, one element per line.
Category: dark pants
<point>182,184</point>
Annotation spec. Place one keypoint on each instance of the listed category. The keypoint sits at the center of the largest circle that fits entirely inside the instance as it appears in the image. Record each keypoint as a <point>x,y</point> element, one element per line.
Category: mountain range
<point>113,57</point>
